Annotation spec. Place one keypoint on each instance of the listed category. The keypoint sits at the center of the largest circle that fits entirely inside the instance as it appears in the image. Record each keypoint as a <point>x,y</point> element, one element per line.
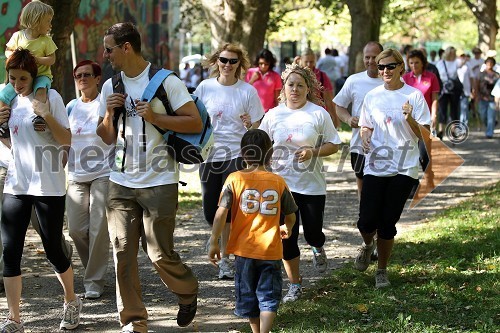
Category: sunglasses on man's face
<point>83,75</point>
<point>231,61</point>
<point>390,66</point>
<point>109,50</point>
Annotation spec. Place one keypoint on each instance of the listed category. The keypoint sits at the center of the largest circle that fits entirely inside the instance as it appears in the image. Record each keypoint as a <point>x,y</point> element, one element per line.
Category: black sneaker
<point>186,313</point>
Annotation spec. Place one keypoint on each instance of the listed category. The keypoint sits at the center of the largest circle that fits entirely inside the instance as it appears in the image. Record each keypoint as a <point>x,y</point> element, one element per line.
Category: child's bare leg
<point>41,95</point>
<point>254,324</point>
<point>266,321</point>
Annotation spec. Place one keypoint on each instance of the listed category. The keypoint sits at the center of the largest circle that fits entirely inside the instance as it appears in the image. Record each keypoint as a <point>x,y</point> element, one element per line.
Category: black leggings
<point>310,213</point>
<point>212,177</point>
<point>16,213</point>
<point>382,202</point>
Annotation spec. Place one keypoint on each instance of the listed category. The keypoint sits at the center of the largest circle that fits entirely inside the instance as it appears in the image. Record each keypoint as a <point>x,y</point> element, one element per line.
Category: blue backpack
<point>187,148</point>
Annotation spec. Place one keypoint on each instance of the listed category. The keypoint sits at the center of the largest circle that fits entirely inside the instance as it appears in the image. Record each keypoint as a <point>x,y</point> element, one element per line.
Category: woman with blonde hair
<point>303,133</point>
<point>390,121</point>
<point>234,106</point>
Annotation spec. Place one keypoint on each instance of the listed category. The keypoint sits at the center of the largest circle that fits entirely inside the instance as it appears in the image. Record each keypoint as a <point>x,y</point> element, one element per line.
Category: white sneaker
<point>363,259</point>
<point>71,315</point>
<point>319,259</point>
<point>226,271</point>
<point>294,292</point>
<point>11,326</point>
<point>381,279</point>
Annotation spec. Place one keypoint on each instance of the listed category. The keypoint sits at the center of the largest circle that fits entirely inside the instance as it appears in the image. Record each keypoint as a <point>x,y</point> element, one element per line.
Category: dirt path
<point>42,301</point>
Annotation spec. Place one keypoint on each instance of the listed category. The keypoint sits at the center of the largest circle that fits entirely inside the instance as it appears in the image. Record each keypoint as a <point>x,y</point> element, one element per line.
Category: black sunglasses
<point>390,67</point>
<point>83,75</point>
<point>231,61</point>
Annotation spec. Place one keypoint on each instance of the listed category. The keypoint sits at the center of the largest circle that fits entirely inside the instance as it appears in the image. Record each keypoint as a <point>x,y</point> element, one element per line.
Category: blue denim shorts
<point>258,285</point>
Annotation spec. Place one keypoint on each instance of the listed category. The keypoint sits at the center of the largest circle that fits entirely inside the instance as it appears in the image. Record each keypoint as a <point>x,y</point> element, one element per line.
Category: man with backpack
<point>143,191</point>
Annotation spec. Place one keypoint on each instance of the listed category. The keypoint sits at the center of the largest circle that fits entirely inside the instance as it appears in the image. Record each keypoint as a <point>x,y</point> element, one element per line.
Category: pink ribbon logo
<point>289,139</point>
<point>219,114</point>
<point>16,128</point>
<point>79,131</point>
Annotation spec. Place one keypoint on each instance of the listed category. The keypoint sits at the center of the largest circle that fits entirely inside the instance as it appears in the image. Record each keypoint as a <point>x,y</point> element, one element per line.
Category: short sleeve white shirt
<point>394,146</point>
<point>36,167</point>
<point>150,165</point>
<point>225,105</point>
<point>90,158</point>
<point>290,130</point>
<point>353,92</point>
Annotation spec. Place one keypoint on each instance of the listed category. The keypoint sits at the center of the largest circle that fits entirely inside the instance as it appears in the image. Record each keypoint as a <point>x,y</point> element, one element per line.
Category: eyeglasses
<point>109,50</point>
<point>231,61</point>
<point>83,75</point>
<point>390,66</point>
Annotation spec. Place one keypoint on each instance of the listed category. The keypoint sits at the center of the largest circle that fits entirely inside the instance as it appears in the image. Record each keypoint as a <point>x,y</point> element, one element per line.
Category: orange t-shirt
<point>256,199</point>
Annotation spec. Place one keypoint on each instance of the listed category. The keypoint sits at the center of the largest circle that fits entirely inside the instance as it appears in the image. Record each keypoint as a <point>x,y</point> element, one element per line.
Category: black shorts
<point>358,164</point>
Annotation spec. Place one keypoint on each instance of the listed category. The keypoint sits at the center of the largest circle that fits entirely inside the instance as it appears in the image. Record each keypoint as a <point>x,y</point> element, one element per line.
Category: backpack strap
<point>155,82</point>
<point>156,89</point>
<point>71,105</point>
<point>119,87</point>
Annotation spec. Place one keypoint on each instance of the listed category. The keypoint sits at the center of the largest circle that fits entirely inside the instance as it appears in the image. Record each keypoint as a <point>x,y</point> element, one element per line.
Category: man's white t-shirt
<point>394,146</point>
<point>89,158</point>
<point>36,167</point>
<point>353,92</point>
<point>150,165</point>
<point>225,105</point>
<point>290,130</point>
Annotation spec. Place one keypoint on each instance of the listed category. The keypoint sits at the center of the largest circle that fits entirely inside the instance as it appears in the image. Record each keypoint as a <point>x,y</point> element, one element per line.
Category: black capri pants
<point>382,202</point>
<point>16,213</point>
<point>310,213</point>
<point>212,177</point>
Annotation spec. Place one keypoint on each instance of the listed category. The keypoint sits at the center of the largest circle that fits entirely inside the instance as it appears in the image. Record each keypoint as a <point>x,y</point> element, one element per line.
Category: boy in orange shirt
<point>257,199</point>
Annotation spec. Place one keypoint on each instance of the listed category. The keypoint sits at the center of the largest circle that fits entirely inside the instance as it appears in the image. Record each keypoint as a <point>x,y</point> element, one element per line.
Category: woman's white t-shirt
<point>394,146</point>
<point>290,130</point>
<point>89,158</point>
<point>225,105</point>
<point>150,165</point>
<point>36,167</point>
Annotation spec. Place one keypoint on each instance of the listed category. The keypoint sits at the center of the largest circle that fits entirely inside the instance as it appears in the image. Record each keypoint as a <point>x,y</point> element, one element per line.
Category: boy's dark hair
<point>22,59</point>
<point>125,32</point>
<point>256,147</point>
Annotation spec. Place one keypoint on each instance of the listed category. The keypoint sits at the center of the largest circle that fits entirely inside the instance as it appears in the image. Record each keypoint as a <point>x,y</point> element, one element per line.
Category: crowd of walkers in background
<point>263,179</point>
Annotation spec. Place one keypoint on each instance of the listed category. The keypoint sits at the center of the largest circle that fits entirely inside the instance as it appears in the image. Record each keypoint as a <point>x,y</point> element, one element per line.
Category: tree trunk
<point>62,26</point>
<point>366,17</point>
<point>487,25</point>
<point>238,21</point>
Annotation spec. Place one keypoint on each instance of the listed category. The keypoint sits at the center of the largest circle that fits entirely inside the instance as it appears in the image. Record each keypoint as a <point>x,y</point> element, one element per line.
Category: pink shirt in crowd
<point>428,84</point>
<point>266,86</point>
